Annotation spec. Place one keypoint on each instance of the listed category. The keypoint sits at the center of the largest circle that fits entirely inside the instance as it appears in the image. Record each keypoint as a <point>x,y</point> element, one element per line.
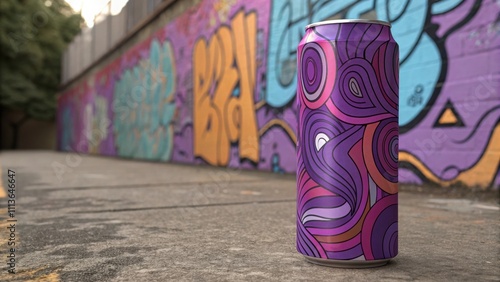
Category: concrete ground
<point>85,218</point>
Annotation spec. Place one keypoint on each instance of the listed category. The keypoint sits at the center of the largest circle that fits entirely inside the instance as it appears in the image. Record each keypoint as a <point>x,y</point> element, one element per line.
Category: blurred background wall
<point>213,82</point>
<point>33,134</point>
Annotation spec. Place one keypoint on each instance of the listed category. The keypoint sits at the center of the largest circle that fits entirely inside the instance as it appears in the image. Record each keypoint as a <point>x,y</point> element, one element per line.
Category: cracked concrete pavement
<point>88,218</point>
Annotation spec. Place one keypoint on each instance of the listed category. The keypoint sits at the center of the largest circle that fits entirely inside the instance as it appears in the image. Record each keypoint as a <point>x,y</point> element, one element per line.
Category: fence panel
<point>118,27</point>
<point>100,40</point>
<point>92,43</point>
<point>86,54</point>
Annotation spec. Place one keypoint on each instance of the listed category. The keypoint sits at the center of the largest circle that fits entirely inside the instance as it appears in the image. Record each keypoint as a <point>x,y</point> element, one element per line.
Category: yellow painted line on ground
<point>42,274</point>
<point>50,277</point>
<point>3,193</point>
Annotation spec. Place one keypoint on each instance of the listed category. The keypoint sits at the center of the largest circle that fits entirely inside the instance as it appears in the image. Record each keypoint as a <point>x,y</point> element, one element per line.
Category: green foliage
<point>33,36</point>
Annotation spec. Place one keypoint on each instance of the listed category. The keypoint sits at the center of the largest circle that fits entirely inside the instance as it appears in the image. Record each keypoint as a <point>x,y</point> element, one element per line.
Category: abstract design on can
<point>347,149</point>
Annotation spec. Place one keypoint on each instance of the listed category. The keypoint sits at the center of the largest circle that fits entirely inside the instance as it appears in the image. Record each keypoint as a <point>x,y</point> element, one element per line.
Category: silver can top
<point>342,21</point>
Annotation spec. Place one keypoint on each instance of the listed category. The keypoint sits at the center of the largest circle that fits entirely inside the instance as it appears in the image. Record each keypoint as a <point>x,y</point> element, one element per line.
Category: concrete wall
<point>33,134</point>
<point>213,82</point>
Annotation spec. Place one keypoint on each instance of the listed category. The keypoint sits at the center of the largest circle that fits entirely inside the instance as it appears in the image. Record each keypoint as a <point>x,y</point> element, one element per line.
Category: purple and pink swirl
<point>348,142</point>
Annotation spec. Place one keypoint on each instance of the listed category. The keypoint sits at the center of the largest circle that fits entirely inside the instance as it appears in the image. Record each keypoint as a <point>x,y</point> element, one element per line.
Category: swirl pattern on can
<point>347,172</point>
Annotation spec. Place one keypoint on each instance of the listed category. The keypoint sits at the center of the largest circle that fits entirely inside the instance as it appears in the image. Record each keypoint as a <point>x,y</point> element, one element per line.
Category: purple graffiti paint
<point>347,149</point>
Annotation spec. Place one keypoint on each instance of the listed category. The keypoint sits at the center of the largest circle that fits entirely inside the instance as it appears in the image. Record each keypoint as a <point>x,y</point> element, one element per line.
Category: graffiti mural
<point>217,85</point>
<point>224,86</point>
<point>460,122</point>
<point>73,119</point>
<point>144,106</point>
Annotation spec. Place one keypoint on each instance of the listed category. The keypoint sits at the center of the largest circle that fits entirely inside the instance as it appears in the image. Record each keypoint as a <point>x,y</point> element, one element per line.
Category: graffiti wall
<point>217,86</point>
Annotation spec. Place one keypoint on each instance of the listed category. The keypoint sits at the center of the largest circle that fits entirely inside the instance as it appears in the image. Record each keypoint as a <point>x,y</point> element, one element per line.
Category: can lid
<point>341,21</point>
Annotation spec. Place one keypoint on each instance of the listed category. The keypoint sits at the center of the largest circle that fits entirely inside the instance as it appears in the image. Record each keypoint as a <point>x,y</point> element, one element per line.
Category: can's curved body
<point>347,149</point>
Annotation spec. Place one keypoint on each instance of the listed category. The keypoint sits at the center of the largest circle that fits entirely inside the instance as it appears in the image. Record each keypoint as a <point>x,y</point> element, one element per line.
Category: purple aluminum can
<point>347,149</point>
